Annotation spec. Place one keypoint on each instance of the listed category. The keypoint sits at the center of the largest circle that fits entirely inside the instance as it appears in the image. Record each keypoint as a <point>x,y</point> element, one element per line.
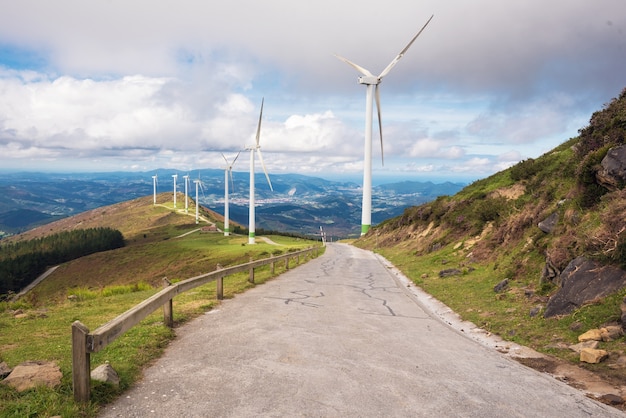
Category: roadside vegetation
<point>488,233</point>
<point>97,288</point>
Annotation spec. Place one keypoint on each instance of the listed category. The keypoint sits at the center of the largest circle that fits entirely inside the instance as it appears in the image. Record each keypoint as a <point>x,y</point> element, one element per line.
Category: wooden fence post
<point>168,308</point>
<point>272,266</point>
<point>251,275</point>
<point>81,363</point>
<point>287,263</point>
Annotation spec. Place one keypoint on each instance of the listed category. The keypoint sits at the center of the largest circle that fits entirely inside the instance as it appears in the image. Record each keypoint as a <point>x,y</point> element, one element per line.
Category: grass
<point>105,285</point>
<point>471,294</point>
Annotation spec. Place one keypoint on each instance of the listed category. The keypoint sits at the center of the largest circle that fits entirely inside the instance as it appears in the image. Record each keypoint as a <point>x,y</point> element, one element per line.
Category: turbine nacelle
<point>369,80</point>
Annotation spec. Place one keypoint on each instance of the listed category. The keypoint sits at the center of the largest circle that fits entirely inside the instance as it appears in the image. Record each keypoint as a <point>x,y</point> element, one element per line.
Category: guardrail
<point>84,343</point>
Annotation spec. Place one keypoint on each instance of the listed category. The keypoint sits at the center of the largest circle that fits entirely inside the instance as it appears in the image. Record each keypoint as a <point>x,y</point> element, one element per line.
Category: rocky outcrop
<point>612,175</point>
<point>30,374</point>
<point>583,281</point>
<point>593,355</point>
<point>105,373</point>
<point>549,224</point>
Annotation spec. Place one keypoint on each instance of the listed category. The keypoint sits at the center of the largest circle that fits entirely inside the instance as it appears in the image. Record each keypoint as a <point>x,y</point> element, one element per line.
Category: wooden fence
<point>84,343</point>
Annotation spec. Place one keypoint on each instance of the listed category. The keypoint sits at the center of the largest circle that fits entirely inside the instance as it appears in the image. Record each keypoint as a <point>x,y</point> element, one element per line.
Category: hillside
<point>512,252</point>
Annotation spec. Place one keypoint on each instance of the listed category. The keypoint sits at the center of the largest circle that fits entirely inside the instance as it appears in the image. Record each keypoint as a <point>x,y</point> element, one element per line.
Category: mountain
<point>299,204</point>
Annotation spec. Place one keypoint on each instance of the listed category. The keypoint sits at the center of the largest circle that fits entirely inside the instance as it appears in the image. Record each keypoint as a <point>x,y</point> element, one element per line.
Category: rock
<point>550,273</point>
<point>548,224</point>
<point>450,272</point>
<point>611,333</point>
<point>31,374</point>
<point>575,326</point>
<point>5,370</point>
<point>585,344</point>
<point>583,281</point>
<point>612,399</point>
<point>501,286</point>
<point>593,355</point>
<point>105,373</point>
<point>534,311</point>
<point>591,335</point>
<point>612,175</point>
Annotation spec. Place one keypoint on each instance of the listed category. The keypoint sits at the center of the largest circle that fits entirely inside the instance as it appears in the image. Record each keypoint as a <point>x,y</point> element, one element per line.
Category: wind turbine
<point>186,177</point>
<point>370,81</point>
<point>175,176</point>
<point>255,148</point>
<point>198,183</point>
<point>155,182</point>
<point>228,172</point>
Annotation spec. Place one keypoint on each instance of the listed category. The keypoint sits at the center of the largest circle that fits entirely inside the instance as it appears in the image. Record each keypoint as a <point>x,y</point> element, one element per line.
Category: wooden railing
<point>84,343</point>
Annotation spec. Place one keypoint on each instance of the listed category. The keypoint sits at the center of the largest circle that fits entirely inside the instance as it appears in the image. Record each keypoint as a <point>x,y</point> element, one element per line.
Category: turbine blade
<point>401,54</point>
<point>231,166</point>
<point>224,157</point>
<point>232,183</point>
<point>380,124</point>
<point>258,129</point>
<point>355,66</point>
<point>264,170</point>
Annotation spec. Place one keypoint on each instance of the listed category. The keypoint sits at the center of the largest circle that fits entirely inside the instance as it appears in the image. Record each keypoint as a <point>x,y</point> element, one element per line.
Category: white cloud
<point>158,83</point>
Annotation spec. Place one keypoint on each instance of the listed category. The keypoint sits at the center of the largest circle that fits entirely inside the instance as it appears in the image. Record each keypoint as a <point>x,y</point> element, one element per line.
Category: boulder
<point>585,344</point>
<point>450,272</point>
<point>593,355</point>
<point>583,281</point>
<point>31,374</point>
<point>612,175</point>
<point>591,335</point>
<point>5,370</point>
<point>548,224</point>
<point>502,286</point>
<point>105,373</point>
<point>611,333</point>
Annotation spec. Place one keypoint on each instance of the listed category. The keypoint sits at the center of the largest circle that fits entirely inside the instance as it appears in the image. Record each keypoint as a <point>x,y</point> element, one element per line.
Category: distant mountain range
<point>299,204</point>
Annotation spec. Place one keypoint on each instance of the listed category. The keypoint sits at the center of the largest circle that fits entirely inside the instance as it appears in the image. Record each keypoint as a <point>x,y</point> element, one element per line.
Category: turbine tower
<point>175,176</point>
<point>155,181</point>
<point>198,183</point>
<point>255,149</point>
<point>197,201</point>
<point>186,177</point>
<point>228,172</point>
<point>370,81</point>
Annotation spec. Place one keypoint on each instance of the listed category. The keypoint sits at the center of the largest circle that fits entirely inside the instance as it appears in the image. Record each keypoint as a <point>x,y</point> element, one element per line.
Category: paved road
<point>339,337</point>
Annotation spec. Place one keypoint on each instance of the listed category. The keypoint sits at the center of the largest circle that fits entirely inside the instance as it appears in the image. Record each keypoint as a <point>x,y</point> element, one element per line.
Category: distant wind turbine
<point>370,81</point>
<point>175,176</point>
<point>255,149</point>
<point>155,182</point>
<point>228,175</point>
<point>186,177</point>
<point>198,183</point>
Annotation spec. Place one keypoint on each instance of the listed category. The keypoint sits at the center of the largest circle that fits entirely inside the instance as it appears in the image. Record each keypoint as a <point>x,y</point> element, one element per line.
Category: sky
<point>118,85</point>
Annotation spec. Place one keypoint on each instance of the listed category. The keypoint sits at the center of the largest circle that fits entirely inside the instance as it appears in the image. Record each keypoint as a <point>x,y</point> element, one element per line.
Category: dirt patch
<point>511,193</point>
<point>601,388</point>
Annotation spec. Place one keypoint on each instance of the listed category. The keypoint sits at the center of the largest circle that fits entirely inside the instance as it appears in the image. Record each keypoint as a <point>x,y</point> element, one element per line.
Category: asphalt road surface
<point>339,337</point>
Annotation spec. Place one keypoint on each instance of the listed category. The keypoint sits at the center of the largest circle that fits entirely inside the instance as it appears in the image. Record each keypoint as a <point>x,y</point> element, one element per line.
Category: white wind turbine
<point>370,81</point>
<point>186,177</point>
<point>198,183</point>
<point>255,149</point>
<point>155,182</point>
<point>174,176</point>
<point>228,175</point>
